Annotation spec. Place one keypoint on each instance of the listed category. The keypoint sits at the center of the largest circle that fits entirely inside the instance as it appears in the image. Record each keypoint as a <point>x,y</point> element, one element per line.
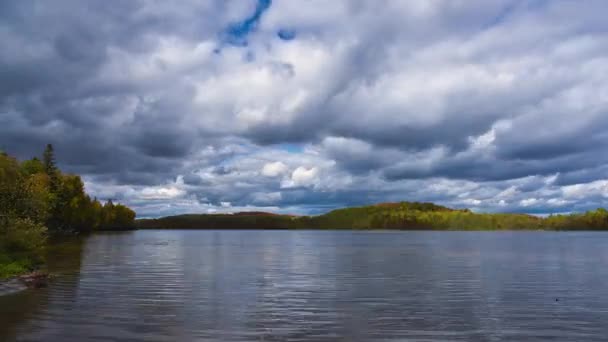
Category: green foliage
<point>32,167</point>
<point>402,216</point>
<point>23,238</point>
<point>591,220</point>
<point>223,221</point>
<point>68,207</point>
<point>116,216</point>
<point>21,246</point>
<point>12,268</point>
<point>35,195</point>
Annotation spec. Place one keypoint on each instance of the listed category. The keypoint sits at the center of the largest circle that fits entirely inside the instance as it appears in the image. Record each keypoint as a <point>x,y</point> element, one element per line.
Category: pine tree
<point>57,200</point>
<point>48,159</point>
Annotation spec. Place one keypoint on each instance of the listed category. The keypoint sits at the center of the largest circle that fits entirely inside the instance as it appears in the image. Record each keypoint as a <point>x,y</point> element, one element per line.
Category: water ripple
<point>321,286</point>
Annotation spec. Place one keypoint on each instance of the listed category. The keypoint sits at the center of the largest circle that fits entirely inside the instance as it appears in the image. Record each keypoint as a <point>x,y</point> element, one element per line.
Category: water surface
<point>320,286</point>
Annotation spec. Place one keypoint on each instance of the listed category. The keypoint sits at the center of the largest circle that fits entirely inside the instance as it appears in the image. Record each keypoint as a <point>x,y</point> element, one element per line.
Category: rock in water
<point>35,279</point>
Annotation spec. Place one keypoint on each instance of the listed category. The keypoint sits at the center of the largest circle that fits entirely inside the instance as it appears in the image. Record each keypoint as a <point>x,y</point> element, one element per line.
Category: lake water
<point>320,286</point>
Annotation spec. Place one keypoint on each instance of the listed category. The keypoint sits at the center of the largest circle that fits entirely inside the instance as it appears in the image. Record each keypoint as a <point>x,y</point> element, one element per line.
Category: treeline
<point>37,199</point>
<point>220,221</point>
<point>400,216</point>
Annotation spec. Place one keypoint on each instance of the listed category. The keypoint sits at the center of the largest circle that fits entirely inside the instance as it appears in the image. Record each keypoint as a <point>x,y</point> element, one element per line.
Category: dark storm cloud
<point>51,91</point>
<point>582,176</point>
<point>476,169</point>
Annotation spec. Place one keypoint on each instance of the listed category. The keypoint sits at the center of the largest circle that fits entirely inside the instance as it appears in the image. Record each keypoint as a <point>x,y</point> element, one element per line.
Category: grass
<point>11,268</point>
<point>22,244</point>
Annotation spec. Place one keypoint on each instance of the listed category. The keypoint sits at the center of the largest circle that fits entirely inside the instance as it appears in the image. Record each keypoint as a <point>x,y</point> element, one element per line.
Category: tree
<point>108,215</point>
<point>48,159</point>
<point>12,191</point>
<point>32,167</point>
<point>22,208</point>
<point>57,198</point>
<point>36,193</point>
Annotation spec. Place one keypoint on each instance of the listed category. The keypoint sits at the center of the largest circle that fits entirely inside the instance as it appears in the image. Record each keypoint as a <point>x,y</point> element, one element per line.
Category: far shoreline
<point>523,230</point>
<point>402,216</point>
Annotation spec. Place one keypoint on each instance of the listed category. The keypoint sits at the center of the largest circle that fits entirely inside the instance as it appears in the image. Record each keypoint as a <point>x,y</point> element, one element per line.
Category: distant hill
<point>400,216</point>
<point>254,213</point>
<point>241,220</point>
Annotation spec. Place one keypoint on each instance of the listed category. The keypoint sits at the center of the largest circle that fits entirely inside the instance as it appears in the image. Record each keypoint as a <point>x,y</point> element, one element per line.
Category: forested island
<point>38,201</point>
<point>399,216</point>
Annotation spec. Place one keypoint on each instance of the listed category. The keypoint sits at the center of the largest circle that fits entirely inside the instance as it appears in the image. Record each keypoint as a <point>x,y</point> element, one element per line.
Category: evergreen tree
<point>48,159</point>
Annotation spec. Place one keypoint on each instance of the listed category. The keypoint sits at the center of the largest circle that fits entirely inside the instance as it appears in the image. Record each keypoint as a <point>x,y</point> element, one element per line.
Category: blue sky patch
<point>291,148</point>
<point>236,34</point>
<point>286,34</point>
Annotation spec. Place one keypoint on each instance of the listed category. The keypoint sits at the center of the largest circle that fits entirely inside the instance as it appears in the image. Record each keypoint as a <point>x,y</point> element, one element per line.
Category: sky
<point>201,106</point>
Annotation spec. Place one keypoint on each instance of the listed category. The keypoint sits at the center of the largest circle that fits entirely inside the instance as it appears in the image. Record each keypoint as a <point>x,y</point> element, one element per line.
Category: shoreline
<point>31,280</point>
<point>382,229</point>
<point>396,216</point>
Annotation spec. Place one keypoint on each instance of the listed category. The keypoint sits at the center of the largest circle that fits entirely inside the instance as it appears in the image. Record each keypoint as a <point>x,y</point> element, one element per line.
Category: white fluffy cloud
<point>301,177</point>
<point>274,169</point>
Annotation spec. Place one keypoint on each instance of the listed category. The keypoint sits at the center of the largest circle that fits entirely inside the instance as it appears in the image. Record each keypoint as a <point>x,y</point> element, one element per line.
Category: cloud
<point>498,106</point>
<point>274,169</point>
<point>267,198</point>
<point>301,177</point>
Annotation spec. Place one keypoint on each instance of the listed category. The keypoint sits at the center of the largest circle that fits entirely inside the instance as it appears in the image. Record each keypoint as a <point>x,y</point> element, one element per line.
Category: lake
<point>170,285</point>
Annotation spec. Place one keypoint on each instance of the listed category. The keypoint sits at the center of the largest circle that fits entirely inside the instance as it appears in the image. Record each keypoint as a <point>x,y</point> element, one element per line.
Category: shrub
<point>21,247</point>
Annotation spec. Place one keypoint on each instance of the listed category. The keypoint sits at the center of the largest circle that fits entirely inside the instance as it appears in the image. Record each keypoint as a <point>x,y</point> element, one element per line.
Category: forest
<point>398,216</point>
<point>38,201</point>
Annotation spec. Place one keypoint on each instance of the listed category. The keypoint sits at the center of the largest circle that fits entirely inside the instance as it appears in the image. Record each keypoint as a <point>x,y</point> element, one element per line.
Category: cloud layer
<point>304,106</point>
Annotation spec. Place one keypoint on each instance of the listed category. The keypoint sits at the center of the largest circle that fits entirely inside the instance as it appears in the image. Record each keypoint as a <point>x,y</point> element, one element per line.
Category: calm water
<point>320,286</point>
